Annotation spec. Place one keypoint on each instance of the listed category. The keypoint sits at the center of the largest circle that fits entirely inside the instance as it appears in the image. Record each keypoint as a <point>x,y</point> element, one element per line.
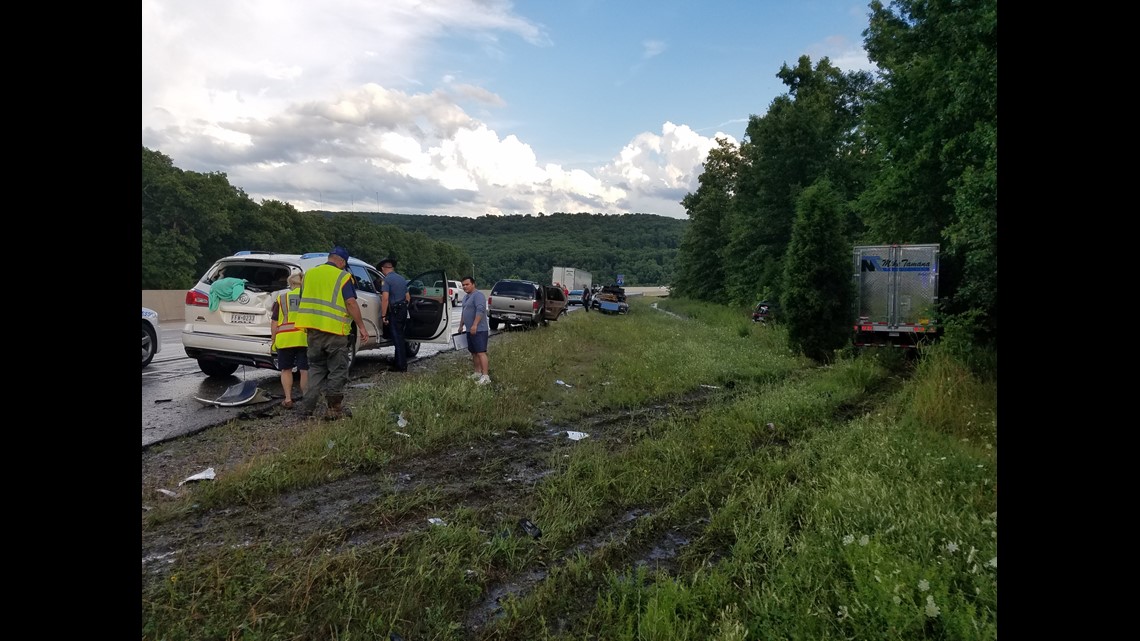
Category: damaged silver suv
<point>227,329</point>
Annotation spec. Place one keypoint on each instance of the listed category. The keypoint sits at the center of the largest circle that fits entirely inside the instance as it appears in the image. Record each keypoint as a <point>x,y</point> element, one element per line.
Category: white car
<point>151,337</point>
<point>454,292</point>
<point>236,332</point>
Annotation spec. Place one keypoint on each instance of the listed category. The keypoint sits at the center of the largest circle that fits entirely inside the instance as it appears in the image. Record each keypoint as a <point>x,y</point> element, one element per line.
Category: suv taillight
<point>450,291</point>
<point>488,302</point>
<point>534,307</point>
<point>197,298</point>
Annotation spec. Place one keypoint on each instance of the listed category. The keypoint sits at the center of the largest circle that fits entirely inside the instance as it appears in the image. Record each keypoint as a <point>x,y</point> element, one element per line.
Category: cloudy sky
<point>472,107</point>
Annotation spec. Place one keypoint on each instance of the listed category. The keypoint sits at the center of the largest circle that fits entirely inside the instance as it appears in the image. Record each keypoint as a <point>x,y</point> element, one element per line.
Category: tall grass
<point>851,501</point>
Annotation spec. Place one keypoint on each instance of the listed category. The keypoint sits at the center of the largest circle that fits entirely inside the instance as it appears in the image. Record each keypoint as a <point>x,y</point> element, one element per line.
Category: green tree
<point>700,271</point>
<point>817,296</point>
<point>812,131</point>
<point>932,125</point>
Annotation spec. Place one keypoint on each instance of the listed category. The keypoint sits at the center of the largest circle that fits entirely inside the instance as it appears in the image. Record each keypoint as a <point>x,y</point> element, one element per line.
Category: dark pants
<point>398,324</point>
<point>328,367</point>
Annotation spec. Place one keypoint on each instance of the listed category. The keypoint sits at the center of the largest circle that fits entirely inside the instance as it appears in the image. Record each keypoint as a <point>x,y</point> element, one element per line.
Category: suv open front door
<point>555,302</point>
<point>429,309</point>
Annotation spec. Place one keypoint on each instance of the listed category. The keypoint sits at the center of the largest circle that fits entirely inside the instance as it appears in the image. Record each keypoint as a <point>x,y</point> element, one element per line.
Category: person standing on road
<point>290,341</point>
<point>394,299</point>
<point>328,308</point>
<point>586,298</point>
<point>474,319</point>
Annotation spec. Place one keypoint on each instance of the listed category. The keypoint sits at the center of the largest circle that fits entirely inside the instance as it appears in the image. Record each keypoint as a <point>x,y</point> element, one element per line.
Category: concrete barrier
<point>169,303</point>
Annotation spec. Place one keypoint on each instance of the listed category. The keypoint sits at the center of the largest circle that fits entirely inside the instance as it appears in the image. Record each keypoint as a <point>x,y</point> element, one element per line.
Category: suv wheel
<point>217,369</point>
<point>411,349</point>
<point>149,344</point>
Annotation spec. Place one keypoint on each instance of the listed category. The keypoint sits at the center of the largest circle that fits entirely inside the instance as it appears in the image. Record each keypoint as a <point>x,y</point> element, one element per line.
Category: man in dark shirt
<point>394,299</point>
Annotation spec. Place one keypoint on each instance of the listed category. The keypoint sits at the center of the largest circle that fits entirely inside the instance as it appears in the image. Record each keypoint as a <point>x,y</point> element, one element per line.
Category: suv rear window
<point>261,277</point>
<point>513,288</point>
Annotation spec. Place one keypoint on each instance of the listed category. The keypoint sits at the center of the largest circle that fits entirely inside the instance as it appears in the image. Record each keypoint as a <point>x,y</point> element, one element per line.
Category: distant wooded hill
<point>640,247</point>
<point>190,219</point>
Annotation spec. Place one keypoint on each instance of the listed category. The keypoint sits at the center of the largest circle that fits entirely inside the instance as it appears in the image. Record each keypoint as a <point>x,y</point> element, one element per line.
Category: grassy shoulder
<point>727,489</point>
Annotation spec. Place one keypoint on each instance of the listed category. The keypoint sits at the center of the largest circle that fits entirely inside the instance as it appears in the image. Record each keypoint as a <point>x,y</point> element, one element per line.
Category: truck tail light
<point>197,298</point>
<point>534,307</point>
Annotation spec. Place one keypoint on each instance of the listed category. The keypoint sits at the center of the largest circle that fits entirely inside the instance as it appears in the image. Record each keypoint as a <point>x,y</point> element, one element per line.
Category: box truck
<point>896,294</point>
<point>571,278</point>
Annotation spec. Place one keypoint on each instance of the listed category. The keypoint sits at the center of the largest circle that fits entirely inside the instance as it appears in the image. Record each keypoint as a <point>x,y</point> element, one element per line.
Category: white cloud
<point>220,87</point>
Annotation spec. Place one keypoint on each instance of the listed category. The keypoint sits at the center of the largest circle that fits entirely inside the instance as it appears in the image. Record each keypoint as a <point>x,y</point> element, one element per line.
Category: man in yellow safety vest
<point>289,341</point>
<point>326,312</point>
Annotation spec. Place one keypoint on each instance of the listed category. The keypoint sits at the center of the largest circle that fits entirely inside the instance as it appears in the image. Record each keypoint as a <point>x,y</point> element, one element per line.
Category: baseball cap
<point>339,251</point>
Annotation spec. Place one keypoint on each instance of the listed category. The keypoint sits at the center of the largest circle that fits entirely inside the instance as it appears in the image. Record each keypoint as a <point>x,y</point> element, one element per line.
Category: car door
<point>430,308</point>
<point>555,302</point>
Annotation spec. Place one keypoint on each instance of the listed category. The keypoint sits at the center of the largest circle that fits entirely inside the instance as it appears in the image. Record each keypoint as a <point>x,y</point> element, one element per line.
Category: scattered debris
<point>239,394</point>
<point>436,521</point>
<point>576,436</point>
<point>563,383</point>
<point>530,528</point>
<point>205,475</point>
<point>172,495</point>
<point>163,400</point>
<point>710,386</point>
<point>402,434</point>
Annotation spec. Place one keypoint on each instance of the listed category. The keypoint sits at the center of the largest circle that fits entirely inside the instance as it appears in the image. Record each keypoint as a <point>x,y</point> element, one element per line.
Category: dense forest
<point>191,219</point>
<point>905,155</point>
<point>908,155</point>
<point>640,247</point>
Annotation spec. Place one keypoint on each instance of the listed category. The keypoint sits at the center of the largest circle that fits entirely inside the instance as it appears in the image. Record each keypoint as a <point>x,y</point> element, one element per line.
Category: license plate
<point>511,316</point>
<point>242,319</point>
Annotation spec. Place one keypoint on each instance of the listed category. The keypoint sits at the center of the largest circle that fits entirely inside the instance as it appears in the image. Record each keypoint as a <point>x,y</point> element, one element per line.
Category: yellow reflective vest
<point>288,334</point>
<point>322,301</point>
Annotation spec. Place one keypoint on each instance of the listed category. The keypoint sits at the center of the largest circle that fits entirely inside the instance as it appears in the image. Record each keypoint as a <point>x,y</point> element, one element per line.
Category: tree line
<point>908,155</point>
<point>190,219</point>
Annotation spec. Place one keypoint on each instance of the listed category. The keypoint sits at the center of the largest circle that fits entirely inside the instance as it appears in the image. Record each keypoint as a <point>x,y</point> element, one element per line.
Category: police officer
<point>394,299</point>
<point>328,307</point>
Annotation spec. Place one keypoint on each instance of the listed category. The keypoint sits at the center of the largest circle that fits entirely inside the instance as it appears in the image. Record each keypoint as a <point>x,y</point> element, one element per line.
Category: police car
<point>151,337</point>
<point>234,328</point>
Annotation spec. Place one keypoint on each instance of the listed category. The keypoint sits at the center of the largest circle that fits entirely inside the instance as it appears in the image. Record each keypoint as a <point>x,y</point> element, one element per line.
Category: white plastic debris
<point>563,383</point>
<point>205,475</point>
<point>168,493</point>
<point>576,436</point>
<point>711,386</point>
<point>402,434</point>
<point>436,521</point>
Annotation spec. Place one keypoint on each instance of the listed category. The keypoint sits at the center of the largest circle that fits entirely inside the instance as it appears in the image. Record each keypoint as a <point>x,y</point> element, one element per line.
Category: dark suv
<point>524,302</point>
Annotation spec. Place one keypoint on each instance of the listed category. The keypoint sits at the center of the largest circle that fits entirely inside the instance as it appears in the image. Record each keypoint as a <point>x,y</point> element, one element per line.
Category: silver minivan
<point>223,334</point>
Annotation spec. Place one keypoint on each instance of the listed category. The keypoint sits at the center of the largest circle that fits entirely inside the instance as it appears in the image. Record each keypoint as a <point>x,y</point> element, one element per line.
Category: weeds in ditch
<point>727,489</point>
